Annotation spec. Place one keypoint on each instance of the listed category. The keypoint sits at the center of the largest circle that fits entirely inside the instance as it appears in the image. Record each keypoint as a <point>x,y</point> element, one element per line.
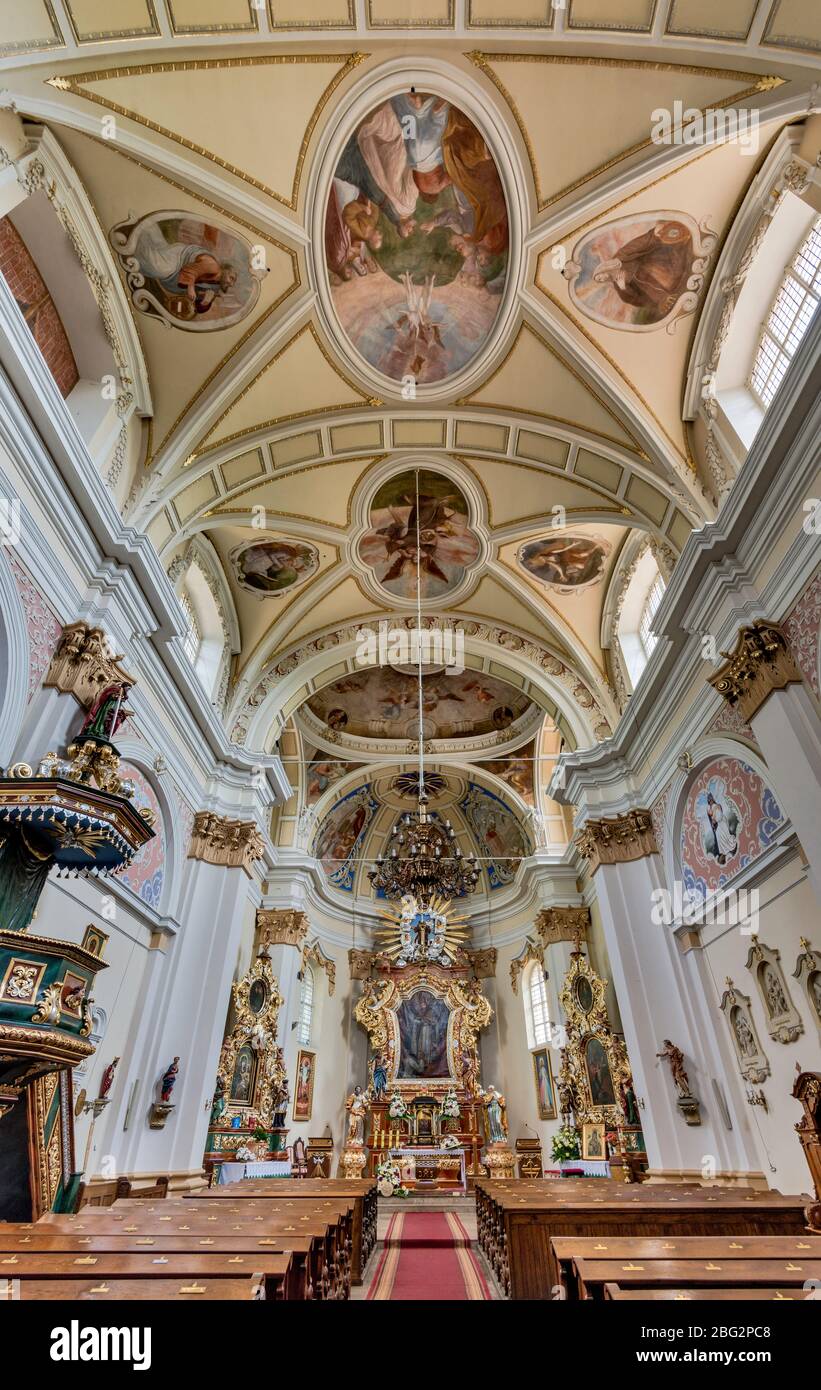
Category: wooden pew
<point>316,1240</point>
<point>104,1194</point>
<point>362,1192</point>
<point>133,1290</point>
<point>271,1271</point>
<point>310,1276</point>
<point>592,1275</point>
<point>612,1291</point>
<point>519,1221</point>
<point>644,1248</point>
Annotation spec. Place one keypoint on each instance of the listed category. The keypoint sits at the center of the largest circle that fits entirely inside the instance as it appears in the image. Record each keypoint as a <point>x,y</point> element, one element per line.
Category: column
<point>761,678</point>
<point>656,1003</point>
<point>185,1014</point>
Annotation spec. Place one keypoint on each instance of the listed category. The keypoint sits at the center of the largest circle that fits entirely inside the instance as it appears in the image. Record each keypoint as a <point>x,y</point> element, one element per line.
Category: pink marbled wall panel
<point>146,873</point>
<point>43,628</point>
<point>802,626</point>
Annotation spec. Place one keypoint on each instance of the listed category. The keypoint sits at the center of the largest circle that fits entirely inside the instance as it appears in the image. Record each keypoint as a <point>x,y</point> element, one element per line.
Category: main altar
<point>424,1108</point>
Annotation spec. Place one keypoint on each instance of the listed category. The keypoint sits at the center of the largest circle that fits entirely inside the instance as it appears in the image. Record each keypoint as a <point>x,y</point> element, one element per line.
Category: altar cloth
<point>235,1172</point>
<point>408,1156</point>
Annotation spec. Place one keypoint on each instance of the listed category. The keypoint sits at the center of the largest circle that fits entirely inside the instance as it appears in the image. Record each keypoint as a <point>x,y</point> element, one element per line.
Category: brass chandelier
<point>424,862</point>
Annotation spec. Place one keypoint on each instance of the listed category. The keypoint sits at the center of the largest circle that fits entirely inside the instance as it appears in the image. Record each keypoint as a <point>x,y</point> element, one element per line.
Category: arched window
<point>306,1007</point>
<point>192,639</point>
<point>788,319</point>
<point>648,613</point>
<point>536,1012</point>
<point>641,600</point>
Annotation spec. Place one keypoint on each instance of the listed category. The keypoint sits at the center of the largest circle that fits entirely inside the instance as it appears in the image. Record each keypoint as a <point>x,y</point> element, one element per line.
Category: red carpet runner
<point>427,1256</point>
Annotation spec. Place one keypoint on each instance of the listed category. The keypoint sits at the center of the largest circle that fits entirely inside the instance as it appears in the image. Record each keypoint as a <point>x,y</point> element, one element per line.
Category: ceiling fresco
<point>446,282</point>
<point>416,238</point>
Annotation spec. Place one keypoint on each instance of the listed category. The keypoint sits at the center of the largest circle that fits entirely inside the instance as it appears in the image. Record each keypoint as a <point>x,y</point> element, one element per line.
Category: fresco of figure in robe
<point>640,272</point>
<point>423,1032</point>
<point>188,273</point>
<point>433,537</point>
<point>416,238</point>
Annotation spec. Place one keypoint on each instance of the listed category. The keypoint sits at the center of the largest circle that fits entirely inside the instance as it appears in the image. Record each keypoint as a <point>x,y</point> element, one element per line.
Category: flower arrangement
<point>450,1106</point>
<point>397,1109</point>
<point>389,1180</point>
<point>259,1131</point>
<point>565,1144</point>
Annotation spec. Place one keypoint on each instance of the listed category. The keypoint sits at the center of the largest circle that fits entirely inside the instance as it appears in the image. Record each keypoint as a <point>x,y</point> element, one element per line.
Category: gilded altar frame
<point>586,1021</point>
<point>256,1002</point>
<point>469,1012</point>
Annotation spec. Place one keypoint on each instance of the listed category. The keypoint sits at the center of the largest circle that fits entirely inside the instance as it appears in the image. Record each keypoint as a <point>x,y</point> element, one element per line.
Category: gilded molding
<point>531,951</point>
<point>760,663</point>
<point>562,924</point>
<point>231,844</point>
<point>75,83</point>
<point>360,964</point>
<point>617,839</point>
<point>483,963</point>
<point>314,955</point>
<point>84,664</point>
<point>281,927</point>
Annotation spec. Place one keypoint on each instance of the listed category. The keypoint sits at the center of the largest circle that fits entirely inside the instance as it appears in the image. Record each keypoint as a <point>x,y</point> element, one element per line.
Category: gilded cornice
<point>531,951</point>
<point>617,839</point>
<point>281,927</point>
<point>562,924</point>
<point>230,844</point>
<point>760,663</point>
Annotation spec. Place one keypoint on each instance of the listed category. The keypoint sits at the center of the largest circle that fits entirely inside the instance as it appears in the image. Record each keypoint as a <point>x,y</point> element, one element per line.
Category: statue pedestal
<point>354,1160</point>
<point>499,1159</point>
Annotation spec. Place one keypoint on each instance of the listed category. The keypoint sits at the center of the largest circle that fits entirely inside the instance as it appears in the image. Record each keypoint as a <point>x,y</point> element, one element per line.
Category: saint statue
<point>675,1057</point>
<point>380,1077</point>
<point>107,712</point>
<point>496,1114</point>
<point>169,1079</point>
<point>108,1077</point>
<point>357,1106</point>
<point>280,1105</point>
<point>218,1104</point>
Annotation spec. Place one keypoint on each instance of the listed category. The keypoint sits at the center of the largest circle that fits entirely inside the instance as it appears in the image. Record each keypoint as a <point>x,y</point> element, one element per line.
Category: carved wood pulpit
<point>807,1090</point>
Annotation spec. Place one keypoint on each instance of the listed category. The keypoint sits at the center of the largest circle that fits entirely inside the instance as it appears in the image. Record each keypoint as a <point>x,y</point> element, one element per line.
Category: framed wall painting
<point>543,1078</point>
<point>594,1147</point>
<point>304,1091</point>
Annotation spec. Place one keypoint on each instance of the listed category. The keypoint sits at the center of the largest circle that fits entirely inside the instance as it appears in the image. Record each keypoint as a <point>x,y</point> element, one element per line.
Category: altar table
<point>410,1156</point>
<point>235,1172</point>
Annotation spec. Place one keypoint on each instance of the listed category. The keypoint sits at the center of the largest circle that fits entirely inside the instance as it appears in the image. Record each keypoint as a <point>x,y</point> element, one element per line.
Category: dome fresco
<point>382,701</point>
<point>416,238</point>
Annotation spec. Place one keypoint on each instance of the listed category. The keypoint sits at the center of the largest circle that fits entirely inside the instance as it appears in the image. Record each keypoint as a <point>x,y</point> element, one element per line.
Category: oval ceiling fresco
<point>416,238</point>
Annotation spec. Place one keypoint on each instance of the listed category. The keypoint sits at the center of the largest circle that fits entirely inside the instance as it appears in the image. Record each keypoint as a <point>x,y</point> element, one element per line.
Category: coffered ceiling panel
<point>410,14</point>
<point>212,16</point>
<point>510,13</point>
<point>93,20</point>
<point>518,493</point>
<point>631,15</point>
<point>542,88</point>
<point>204,106</point>
<point>794,24</point>
<point>28,27</point>
<point>534,379</point>
<point>730,20</point>
<point>180,362</point>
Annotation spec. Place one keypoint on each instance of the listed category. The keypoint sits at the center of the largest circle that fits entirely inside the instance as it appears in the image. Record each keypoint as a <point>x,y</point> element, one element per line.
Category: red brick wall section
<point>37,307</point>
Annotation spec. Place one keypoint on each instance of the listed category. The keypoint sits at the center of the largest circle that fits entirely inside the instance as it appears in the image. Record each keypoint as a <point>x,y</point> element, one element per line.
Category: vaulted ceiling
<point>290,424</point>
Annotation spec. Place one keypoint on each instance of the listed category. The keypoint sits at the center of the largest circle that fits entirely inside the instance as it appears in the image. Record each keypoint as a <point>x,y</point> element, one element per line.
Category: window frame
<point>307,1007</point>
<point>538,1029</point>
<point>779,338</point>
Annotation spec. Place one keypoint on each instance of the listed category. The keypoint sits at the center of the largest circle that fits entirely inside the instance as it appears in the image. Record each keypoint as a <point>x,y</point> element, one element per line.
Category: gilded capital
<point>281,927</point>
<point>617,839</point>
<point>483,963</point>
<point>232,844</point>
<point>84,664</point>
<point>360,964</point>
<point>562,924</point>
<point>760,663</point>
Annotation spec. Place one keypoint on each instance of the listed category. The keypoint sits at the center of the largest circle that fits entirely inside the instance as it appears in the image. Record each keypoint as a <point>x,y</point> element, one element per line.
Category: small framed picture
<point>304,1093</point>
<point>543,1078</point>
<point>593,1144</point>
